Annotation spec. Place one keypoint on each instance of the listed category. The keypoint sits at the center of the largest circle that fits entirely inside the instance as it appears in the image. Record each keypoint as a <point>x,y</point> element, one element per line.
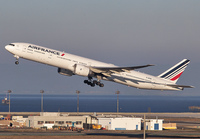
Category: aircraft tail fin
<point>175,72</point>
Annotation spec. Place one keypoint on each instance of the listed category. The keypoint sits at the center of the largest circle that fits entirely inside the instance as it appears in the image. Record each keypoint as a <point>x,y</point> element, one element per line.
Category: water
<point>99,103</point>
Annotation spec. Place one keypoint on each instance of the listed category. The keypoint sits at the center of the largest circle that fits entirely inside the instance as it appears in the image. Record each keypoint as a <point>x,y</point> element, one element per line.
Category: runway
<point>97,134</point>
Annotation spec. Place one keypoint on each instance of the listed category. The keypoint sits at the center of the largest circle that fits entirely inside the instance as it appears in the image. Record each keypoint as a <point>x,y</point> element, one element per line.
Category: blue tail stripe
<point>185,62</point>
<point>172,74</point>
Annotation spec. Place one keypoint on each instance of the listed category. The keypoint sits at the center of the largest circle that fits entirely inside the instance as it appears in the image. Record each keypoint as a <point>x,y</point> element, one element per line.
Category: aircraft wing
<point>183,86</point>
<point>109,70</point>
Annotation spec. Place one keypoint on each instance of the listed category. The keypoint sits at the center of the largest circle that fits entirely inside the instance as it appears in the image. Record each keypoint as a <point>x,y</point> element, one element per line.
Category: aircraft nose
<point>6,47</point>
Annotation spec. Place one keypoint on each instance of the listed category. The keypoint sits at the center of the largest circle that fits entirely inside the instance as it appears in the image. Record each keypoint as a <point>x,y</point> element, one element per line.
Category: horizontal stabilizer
<point>183,86</point>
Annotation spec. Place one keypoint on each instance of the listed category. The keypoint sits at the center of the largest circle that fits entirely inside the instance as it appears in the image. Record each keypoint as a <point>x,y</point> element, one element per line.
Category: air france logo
<point>45,50</point>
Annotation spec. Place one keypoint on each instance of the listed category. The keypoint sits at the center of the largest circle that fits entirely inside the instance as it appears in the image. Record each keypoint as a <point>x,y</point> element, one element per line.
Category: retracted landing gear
<point>17,59</point>
<point>92,83</point>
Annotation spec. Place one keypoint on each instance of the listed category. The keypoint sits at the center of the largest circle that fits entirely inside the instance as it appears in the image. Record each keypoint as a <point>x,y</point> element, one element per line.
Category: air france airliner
<point>69,64</point>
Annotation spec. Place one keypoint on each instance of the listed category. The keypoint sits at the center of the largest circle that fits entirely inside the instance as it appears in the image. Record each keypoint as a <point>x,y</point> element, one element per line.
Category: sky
<point>124,33</point>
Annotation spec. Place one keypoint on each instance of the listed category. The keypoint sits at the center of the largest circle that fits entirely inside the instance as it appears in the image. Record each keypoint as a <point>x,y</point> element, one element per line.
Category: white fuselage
<point>68,61</point>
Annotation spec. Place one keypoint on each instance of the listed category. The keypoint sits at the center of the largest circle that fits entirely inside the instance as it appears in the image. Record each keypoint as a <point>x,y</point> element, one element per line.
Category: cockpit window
<point>12,44</point>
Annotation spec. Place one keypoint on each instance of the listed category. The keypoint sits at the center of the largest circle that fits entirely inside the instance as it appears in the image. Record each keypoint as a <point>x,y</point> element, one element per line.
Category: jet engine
<point>65,72</point>
<point>82,70</point>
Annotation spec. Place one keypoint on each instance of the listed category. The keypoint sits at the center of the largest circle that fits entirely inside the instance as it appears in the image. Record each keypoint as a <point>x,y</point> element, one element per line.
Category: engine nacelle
<point>65,72</point>
<point>81,70</point>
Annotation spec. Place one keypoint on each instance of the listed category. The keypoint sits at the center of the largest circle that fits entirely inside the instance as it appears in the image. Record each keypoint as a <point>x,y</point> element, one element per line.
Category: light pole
<point>144,123</point>
<point>77,100</point>
<point>9,91</point>
<point>145,127</point>
<point>42,92</point>
<point>117,92</point>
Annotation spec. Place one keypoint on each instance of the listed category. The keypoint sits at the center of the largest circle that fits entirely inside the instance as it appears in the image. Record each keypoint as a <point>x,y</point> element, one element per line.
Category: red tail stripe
<point>176,77</point>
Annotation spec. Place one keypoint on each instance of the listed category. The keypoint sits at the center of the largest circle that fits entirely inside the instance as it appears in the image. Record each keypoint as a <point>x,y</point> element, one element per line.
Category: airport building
<point>108,122</point>
<point>124,123</point>
<point>56,119</point>
<point>154,124</point>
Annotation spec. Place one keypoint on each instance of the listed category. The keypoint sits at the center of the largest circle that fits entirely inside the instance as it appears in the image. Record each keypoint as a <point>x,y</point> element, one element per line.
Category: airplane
<point>69,64</point>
